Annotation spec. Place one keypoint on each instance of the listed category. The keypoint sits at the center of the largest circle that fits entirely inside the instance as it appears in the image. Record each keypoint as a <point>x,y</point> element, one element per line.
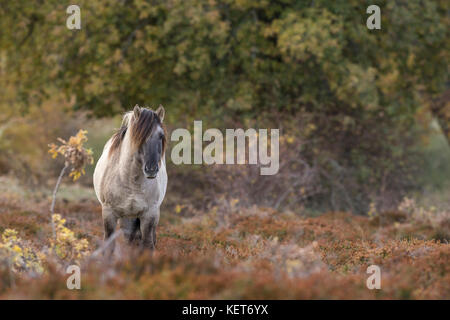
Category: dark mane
<point>117,139</point>
<point>141,128</point>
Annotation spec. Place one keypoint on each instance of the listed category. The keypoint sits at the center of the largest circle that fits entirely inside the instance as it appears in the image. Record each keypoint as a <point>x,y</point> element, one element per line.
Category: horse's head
<point>148,134</point>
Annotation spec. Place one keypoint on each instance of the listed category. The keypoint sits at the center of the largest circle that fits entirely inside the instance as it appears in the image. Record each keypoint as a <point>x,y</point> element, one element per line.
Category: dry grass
<point>240,253</point>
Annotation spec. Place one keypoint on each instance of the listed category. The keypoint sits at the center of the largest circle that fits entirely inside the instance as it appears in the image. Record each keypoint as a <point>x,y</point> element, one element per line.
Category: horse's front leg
<point>109,224</point>
<point>149,222</point>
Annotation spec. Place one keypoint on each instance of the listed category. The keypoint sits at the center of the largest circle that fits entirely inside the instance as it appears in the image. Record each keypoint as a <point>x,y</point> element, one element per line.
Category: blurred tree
<point>230,55</point>
<point>243,59</point>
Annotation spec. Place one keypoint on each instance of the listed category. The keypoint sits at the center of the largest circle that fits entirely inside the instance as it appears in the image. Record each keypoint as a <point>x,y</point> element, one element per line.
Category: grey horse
<point>130,178</point>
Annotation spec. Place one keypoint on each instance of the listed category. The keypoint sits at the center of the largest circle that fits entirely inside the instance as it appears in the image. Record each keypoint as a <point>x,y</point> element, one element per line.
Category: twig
<point>52,207</point>
<point>105,245</point>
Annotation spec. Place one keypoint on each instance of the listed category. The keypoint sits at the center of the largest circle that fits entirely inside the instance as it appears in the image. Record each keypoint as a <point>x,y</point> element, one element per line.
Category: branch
<point>105,245</point>
<point>52,207</point>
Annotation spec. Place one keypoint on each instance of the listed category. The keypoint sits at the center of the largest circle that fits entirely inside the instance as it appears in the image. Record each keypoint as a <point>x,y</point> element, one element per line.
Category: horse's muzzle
<point>151,173</point>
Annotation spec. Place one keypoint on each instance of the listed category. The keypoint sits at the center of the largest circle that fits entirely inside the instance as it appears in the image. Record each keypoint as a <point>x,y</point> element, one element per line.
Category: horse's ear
<point>136,111</point>
<point>161,112</point>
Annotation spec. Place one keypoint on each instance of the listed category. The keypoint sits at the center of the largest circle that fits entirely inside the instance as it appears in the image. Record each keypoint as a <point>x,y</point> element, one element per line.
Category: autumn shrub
<point>21,259</point>
<point>65,246</point>
<point>19,255</point>
<point>429,223</point>
<point>325,163</point>
<point>75,155</point>
<point>296,182</point>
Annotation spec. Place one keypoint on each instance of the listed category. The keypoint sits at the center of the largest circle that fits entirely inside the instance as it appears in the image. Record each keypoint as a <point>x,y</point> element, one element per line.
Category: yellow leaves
<point>212,16</point>
<point>292,265</point>
<point>299,38</point>
<point>79,139</point>
<point>66,246</point>
<point>234,202</point>
<point>22,257</point>
<point>75,175</point>
<point>297,261</point>
<point>357,86</point>
<point>150,47</point>
<point>53,150</point>
<point>17,249</point>
<point>9,235</point>
<point>74,153</point>
<point>178,208</point>
<point>310,128</point>
<point>290,139</point>
<point>388,81</point>
<point>372,210</point>
<point>287,138</point>
<point>410,62</point>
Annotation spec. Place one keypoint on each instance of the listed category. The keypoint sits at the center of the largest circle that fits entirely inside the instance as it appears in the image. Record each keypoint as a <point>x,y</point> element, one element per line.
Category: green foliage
<point>230,55</point>
<point>243,61</point>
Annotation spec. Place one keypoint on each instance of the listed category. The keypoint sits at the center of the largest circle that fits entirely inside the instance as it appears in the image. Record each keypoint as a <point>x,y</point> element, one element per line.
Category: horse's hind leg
<point>109,224</point>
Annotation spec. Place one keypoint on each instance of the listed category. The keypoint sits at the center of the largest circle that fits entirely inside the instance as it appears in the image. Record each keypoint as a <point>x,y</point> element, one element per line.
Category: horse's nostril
<point>151,170</point>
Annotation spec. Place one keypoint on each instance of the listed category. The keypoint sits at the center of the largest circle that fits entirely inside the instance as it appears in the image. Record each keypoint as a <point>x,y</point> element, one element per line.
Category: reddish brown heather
<point>257,253</point>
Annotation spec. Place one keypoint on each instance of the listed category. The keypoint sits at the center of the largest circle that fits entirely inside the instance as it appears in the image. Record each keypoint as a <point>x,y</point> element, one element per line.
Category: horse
<point>130,177</point>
